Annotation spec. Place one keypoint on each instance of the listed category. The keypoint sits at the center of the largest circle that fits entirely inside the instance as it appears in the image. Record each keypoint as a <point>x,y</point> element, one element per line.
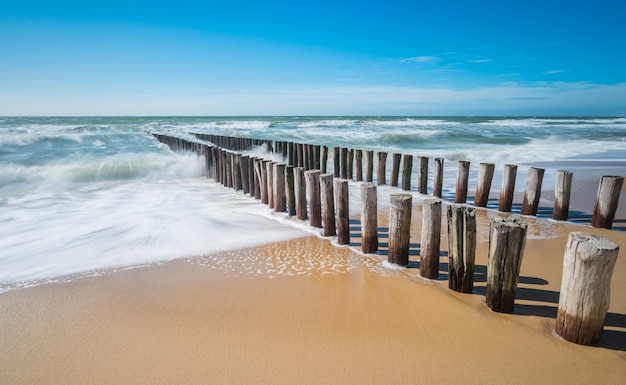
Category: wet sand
<point>305,311</point>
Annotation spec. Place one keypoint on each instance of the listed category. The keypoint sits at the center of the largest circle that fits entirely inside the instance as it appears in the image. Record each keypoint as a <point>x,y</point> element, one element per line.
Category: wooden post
<point>336,161</point>
<point>407,169</point>
<point>291,191</point>
<point>263,174</point>
<point>245,181</point>
<point>422,172</point>
<point>270,184</point>
<point>343,163</point>
<point>431,238</point>
<point>369,218</point>
<point>324,159</point>
<point>359,165</point>
<point>562,192</point>
<point>461,247</point>
<point>585,287</point>
<point>509,174</point>
<point>507,237</point>
<point>257,178</point>
<point>462,178</point>
<point>300,191</point>
<point>328,204</point>
<point>290,155</point>
<point>395,169</point>
<point>485,175</point>
<point>313,191</point>
<point>369,166</point>
<point>438,178</point>
<point>342,204</point>
<point>317,157</point>
<point>533,191</point>
<point>607,201</point>
<point>399,228</point>
<point>280,201</point>
<point>300,154</point>
<point>350,163</point>
<point>381,175</point>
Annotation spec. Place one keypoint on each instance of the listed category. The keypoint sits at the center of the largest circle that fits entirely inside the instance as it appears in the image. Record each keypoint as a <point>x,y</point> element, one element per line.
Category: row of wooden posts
<point>588,264</point>
<point>348,164</point>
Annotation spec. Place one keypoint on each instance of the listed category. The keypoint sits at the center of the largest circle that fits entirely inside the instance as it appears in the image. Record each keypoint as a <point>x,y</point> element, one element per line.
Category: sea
<point>82,195</point>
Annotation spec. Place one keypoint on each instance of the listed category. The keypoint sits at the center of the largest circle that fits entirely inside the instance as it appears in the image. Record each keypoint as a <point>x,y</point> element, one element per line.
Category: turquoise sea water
<point>85,193</point>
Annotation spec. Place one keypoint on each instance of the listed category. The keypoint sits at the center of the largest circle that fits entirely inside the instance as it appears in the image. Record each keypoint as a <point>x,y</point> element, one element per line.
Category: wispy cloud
<point>421,59</point>
<point>481,61</point>
<point>552,72</point>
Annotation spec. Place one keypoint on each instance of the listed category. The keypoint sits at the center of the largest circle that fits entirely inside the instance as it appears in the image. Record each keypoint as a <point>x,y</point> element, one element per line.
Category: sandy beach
<point>306,311</point>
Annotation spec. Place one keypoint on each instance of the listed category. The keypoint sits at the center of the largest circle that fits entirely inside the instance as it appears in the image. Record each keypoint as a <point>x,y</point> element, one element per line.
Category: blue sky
<point>312,58</point>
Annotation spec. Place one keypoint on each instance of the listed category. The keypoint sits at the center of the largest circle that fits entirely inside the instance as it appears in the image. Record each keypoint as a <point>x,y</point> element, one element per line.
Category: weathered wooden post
<point>313,191</point>
<point>245,181</point>
<point>342,204</point>
<point>562,192</point>
<point>317,157</point>
<point>270,184</point>
<point>607,201</point>
<point>280,201</point>
<point>507,237</point>
<point>257,178</point>
<point>336,161</point>
<point>585,287</point>
<point>462,179</point>
<point>324,159</point>
<point>399,228</point>
<point>461,247</point>
<point>369,218</point>
<point>344,163</point>
<point>509,174</point>
<point>422,172</point>
<point>350,163</point>
<point>359,165</point>
<point>291,191</point>
<point>485,175</point>
<point>533,191</point>
<point>300,154</point>
<point>263,174</point>
<point>395,169</point>
<point>301,212</point>
<point>369,166</point>
<point>431,238</point>
<point>407,169</point>
<point>381,175</point>
<point>328,204</point>
<point>290,154</point>
<point>438,178</point>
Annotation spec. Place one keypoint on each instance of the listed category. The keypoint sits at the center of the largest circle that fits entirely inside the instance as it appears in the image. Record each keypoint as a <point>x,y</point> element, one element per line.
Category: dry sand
<point>305,311</point>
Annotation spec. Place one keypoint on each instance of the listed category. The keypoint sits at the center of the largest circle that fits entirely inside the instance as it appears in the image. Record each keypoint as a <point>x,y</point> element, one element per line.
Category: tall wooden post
<point>358,155</point>
<point>263,174</point>
<point>324,159</point>
<point>509,174</point>
<point>438,178</point>
<point>280,201</point>
<point>369,218</point>
<point>313,191</point>
<point>562,192</point>
<point>607,201</point>
<point>342,204</point>
<point>270,184</point>
<point>381,175</point>
<point>422,174</point>
<point>507,237</point>
<point>301,212</point>
<point>461,247</point>
<point>399,228</point>
<point>585,287</point>
<point>245,181</point>
<point>407,169</point>
<point>257,178</point>
<point>485,175</point>
<point>369,166</point>
<point>395,169</point>
<point>337,162</point>
<point>430,238</point>
<point>328,204</point>
<point>462,179</point>
<point>343,163</point>
<point>533,191</point>
<point>291,191</point>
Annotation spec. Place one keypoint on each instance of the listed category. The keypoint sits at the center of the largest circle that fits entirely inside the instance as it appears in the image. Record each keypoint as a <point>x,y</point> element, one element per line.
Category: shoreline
<point>306,311</point>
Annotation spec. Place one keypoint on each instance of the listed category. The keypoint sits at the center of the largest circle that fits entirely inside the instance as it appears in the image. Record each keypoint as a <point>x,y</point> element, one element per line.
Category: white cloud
<point>552,72</point>
<point>481,61</point>
<point>421,59</point>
